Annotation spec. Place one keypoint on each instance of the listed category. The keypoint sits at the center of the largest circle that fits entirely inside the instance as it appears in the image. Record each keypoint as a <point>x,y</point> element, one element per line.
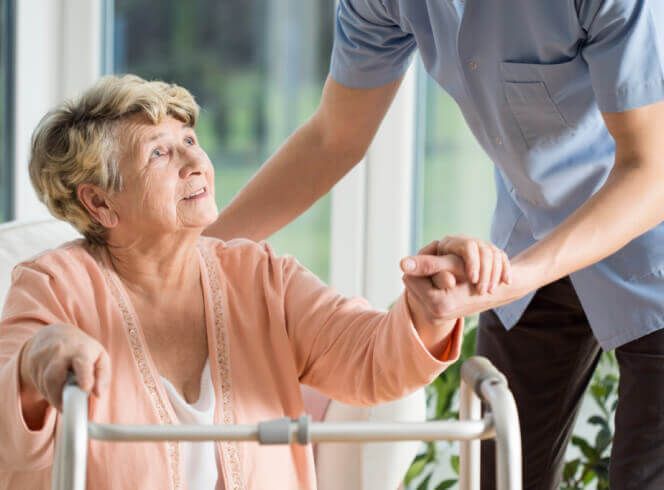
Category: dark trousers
<point>548,359</point>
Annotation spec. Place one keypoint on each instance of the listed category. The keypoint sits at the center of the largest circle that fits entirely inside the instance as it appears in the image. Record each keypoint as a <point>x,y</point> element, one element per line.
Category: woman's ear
<point>96,201</point>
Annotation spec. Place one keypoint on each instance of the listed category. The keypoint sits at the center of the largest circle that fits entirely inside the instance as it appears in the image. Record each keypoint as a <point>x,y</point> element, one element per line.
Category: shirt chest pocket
<point>535,94</point>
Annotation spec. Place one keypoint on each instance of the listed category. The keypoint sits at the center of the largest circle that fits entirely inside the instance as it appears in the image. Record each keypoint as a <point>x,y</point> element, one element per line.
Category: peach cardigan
<point>271,325</point>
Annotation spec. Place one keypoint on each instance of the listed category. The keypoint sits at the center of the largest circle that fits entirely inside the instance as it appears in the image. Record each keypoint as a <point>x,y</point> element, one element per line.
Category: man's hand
<point>439,289</point>
<point>485,264</point>
<point>466,260</point>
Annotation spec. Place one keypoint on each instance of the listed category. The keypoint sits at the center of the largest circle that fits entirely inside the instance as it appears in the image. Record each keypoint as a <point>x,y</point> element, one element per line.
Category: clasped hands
<point>456,277</point>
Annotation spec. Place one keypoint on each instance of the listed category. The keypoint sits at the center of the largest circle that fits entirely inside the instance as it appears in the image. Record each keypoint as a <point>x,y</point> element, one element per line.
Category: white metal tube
<point>491,386</point>
<point>320,432</point>
<point>508,434</point>
<point>470,408</point>
<point>401,431</point>
<point>72,448</point>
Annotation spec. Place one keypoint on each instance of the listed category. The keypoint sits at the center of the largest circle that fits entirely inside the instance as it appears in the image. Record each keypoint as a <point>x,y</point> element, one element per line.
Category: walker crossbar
<point>480,381</point>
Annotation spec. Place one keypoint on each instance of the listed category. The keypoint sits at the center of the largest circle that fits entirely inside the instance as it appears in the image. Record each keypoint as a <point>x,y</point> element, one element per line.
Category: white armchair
<point>376,466</point>
<point>20,240</point>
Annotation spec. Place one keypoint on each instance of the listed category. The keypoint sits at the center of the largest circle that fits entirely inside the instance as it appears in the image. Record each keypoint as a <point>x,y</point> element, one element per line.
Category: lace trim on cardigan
<point>230,449</point>
<point>137,349</point>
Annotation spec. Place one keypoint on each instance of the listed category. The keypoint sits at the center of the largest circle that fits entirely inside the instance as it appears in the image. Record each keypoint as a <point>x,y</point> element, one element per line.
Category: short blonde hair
<point>77,142</point>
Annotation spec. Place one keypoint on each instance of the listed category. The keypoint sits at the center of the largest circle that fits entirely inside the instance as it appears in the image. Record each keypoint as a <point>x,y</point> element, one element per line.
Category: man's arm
<point>629,203</point>
<point>309,163</point>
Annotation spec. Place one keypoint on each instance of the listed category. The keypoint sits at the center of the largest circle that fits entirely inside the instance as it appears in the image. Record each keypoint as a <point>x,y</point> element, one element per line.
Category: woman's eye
<point>190,141</point>
<point>157,153</point>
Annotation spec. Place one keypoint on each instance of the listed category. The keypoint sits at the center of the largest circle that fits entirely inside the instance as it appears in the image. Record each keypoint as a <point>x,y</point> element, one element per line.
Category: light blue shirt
<point>531,77</point>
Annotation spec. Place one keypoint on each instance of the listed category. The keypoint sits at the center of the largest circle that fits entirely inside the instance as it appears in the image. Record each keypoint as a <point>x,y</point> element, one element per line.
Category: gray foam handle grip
<point>278,431</point>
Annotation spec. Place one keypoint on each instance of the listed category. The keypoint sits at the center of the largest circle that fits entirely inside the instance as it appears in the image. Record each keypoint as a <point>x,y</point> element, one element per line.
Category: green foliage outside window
<point>592,466</point>
<point>256,67</point>
<point>587,470</point>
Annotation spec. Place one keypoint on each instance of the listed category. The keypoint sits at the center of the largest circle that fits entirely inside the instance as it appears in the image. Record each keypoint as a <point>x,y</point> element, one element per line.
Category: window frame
<point>373,207</point>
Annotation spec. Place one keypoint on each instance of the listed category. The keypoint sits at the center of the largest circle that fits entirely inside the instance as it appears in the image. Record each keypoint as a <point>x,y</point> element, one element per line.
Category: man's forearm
<point>298,174</point>
<point>629,204</point>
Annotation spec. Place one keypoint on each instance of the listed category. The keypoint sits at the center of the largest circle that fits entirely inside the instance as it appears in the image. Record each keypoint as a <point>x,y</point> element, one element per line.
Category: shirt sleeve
<point>370,48</point>
<point>624,49</point>
<point>351,352</point>
<point>32,302</point>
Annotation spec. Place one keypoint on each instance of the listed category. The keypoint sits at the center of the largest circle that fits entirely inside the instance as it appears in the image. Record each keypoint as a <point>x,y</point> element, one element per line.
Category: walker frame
<point>481,382</point>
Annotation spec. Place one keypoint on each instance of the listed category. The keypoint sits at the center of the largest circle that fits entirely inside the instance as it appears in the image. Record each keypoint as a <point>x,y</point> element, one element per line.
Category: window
<point>6,108</point>
<point>456,191</point>
<point>256,67</point>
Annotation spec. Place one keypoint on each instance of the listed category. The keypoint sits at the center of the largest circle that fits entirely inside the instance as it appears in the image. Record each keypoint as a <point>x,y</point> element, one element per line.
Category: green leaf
<point>469,342</point>
<point>587,450</point>
<point>444,485</point>
<point>597,420</point>
<point>598,391</point>
<point>424,485</point>
<point>416,468</point>
<point>588,476</point>
<point>570,469</point>
<point>454,462</point>
<point>603,440</point>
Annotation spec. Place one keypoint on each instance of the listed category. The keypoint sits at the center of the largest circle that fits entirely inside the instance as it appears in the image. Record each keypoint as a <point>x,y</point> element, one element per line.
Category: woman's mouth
<point>200,193</point>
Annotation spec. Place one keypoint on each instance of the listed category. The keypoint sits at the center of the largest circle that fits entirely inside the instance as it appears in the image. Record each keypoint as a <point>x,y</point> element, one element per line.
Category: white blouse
<point>199,460</point>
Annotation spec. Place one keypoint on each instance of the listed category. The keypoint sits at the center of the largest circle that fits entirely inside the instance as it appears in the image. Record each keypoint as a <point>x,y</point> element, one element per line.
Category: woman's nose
<point>191,164</point>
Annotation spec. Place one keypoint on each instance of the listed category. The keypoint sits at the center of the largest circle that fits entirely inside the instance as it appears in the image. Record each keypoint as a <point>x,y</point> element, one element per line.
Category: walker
<point>481,382</point>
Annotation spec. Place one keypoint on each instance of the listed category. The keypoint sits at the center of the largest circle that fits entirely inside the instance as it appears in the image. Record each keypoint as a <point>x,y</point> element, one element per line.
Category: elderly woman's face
<point>168,180</point>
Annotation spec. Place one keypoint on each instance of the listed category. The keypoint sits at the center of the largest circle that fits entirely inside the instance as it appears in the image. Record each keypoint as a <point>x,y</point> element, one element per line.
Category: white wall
<point>372,208</point>
<point>58,52</point>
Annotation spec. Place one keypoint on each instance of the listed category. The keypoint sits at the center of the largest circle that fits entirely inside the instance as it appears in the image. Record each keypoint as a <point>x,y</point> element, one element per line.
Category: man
<point>565,96</point>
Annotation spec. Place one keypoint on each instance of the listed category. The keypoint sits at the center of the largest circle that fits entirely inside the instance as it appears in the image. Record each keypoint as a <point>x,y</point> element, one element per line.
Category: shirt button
<point>473,65</point>
<point>498,140</point>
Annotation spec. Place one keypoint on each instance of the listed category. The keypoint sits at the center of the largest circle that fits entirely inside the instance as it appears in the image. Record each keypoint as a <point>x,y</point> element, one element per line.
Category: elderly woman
<point>165,326</point>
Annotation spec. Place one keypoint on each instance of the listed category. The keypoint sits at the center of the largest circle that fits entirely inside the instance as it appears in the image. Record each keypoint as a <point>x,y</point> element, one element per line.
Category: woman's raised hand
<point>50,354</point>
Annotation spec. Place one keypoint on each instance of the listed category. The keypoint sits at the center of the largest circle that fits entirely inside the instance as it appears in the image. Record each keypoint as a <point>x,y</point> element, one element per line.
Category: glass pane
<point>256,67</point>
<point>455,195</point>
<point>6,112</point>
<point>458,194</point>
